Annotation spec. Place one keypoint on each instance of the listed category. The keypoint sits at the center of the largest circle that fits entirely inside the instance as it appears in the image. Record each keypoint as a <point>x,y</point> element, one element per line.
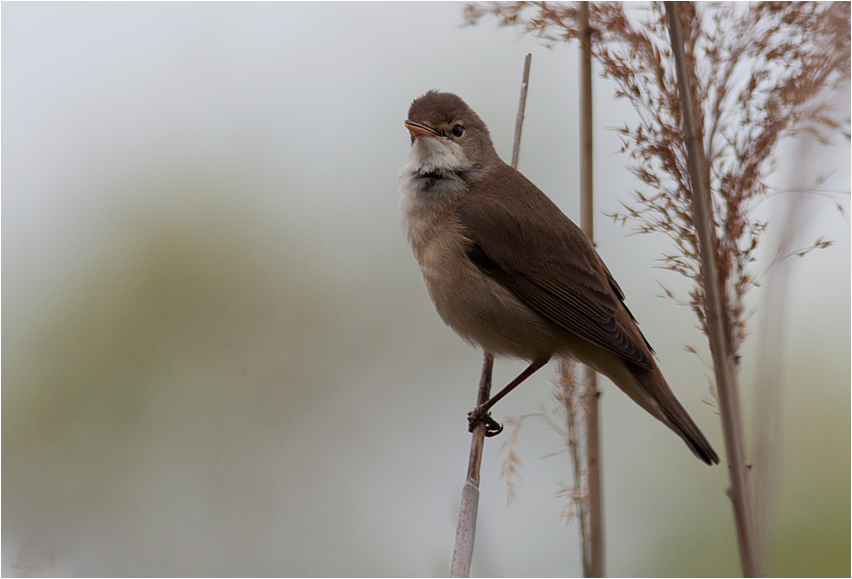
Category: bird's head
<point>447,136</point>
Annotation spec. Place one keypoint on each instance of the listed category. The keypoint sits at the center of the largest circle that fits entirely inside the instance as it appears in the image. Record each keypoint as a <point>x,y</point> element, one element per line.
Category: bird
<point>510,273</point>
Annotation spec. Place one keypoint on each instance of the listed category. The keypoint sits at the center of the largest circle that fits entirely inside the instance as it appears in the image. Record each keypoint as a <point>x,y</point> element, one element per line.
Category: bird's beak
<point>420,130</point>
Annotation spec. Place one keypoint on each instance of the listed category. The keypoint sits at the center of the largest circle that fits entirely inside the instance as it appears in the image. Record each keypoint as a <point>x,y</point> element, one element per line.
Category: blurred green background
<point>219,357</point>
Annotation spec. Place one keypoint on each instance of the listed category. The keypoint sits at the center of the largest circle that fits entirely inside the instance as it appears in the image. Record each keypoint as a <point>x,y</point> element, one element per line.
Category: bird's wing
<point>548,266</point>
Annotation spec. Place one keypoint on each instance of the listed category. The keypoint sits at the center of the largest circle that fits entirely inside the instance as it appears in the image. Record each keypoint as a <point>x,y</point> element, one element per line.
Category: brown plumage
<point>508,271</point>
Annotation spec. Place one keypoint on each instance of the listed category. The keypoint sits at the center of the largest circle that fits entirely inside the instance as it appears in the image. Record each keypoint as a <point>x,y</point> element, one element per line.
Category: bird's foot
<point>481,416</point>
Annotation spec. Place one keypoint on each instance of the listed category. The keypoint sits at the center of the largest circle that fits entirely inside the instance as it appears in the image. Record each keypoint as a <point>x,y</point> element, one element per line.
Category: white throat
<point>436,168</point>
<point>436,174</point>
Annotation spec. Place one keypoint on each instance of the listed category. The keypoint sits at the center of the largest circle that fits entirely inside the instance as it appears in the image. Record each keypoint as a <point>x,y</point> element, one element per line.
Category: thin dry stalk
<point>565,420</point>
<point>569,397</point>
<point>724,363</point>
<point>466,530</point>
<point>594,563</point>
<point>510,468</point>
<point>522,105</point>
<point>793,213</point>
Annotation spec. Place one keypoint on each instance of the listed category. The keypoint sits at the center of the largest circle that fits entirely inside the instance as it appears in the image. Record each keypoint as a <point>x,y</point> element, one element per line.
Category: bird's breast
<point>477,307</point>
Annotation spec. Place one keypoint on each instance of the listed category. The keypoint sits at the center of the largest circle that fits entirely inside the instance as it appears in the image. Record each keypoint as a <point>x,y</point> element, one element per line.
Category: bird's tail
<point>659,400</point>
<point>649,389</point>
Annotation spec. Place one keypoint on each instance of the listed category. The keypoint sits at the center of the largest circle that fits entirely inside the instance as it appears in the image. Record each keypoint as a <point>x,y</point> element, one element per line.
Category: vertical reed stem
<point>715,310</point>
<point>594,561</point>
<point>466,530</point>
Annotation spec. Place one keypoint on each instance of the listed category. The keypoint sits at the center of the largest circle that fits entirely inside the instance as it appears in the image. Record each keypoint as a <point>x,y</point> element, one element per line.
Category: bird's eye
<point>457,130</point>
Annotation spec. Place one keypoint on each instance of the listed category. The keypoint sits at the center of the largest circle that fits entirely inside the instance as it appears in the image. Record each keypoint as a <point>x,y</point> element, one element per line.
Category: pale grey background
<point>219,357</point>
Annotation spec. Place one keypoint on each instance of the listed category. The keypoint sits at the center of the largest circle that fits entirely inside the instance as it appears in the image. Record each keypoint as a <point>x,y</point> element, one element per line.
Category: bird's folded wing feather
<point>551,275</point>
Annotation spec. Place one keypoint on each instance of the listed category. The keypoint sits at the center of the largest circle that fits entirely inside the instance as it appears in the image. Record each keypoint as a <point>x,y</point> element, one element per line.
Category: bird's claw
<point>479,416</point>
